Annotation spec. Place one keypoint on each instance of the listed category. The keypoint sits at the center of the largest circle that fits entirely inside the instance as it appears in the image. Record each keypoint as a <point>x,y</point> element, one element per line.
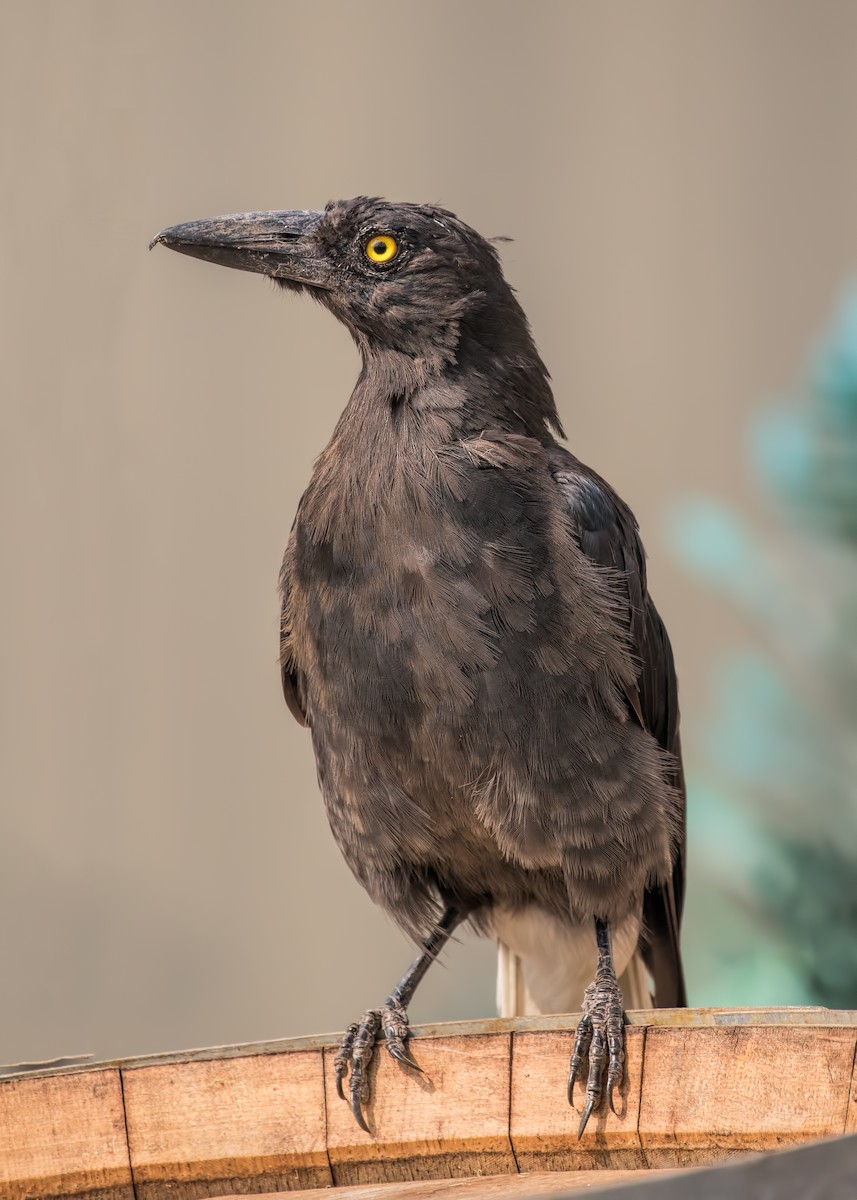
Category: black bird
<point>468,634</point>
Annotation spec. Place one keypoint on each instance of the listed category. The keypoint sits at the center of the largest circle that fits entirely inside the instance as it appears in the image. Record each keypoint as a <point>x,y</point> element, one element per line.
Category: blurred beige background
<point>680,180</point>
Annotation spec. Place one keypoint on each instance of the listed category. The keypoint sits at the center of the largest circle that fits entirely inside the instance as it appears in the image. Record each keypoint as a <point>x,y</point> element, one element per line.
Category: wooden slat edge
<point>679,1017</point>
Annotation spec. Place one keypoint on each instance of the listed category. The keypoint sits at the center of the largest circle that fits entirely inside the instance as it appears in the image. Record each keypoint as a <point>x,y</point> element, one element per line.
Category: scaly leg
<point>358,1044</point>
<point>601,1032</point>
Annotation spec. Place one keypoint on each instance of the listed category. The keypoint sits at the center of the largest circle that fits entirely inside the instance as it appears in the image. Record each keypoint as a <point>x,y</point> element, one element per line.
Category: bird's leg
<point>601,1032</point>
<point>358,1044</point>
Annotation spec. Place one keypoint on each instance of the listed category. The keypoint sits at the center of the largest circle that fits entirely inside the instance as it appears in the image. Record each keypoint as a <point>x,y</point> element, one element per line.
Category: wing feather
<point>292,689</point>
<point>607,532</point>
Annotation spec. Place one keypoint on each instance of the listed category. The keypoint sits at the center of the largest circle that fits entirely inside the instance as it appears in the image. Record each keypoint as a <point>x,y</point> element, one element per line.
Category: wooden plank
<point>680,1017</point>
<point>711,1092</point>
<point>452,1120</point>
<point>490,1187</point>
<point>543,1123</point>
<point>64,1136</point>
<point>202,1126</point>
<point>205,1129</point>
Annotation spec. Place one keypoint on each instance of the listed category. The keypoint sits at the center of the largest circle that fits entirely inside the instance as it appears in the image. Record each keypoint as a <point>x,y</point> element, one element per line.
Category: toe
<point>360,1048</point>
<point>582,1040</point>
<point>594,1079</point>
<point>394,1020</point>
<point>343,1057</point>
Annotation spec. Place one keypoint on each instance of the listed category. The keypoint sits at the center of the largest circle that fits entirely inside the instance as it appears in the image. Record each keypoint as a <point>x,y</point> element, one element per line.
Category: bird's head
<point>422,293</point>
<point>401,277</point>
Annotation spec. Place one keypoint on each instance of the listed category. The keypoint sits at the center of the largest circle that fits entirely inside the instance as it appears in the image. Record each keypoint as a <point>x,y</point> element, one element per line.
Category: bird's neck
<point>476,387</point>
<point>404,411</point>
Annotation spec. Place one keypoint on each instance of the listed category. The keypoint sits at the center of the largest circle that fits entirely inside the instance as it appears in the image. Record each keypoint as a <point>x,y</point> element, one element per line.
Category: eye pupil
<point>379,247</point>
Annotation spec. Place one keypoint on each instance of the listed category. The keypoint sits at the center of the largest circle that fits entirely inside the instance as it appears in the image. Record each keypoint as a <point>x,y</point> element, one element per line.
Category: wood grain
<point>543,1124</point>
<point>204,1129</point>
<point>452,1120</point>
<point>490,1187</point>
<point>64,1136</point>
<point>709,1093</point>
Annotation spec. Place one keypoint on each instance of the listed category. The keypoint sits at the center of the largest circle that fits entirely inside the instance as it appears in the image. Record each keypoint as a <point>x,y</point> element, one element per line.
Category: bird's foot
<point>358,1046</point>
<point>600,1037</point>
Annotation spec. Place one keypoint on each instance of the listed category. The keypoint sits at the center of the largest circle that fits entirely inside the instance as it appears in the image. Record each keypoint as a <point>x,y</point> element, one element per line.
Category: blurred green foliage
<point>773,786</point>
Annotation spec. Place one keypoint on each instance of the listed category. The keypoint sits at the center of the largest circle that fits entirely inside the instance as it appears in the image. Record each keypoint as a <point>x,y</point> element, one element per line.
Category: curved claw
<point>614,1080</point>
<point>572,1080</point>
<point>339,1078</point>
<point>587,1110</point>
<point>357,1109</point>
<point>402,1055</point>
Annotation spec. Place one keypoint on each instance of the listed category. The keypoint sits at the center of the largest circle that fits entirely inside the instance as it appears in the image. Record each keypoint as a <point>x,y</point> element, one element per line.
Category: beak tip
<point>155,240</point>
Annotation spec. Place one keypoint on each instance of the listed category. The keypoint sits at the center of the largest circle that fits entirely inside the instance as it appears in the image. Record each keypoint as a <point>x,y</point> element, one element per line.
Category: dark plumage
<point>467,630</point>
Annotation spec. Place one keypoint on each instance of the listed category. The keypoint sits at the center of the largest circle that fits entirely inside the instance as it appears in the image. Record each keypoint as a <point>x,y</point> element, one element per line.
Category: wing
<point>292,687</point>
<point>607,533</point>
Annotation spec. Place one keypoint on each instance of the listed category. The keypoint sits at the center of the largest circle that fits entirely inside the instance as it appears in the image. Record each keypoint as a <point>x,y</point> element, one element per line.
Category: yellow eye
<point>381,248</point>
